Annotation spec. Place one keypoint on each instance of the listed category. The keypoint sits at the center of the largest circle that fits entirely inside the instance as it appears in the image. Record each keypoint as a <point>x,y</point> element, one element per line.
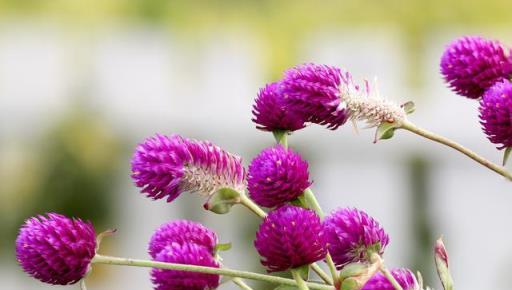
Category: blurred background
<point>82,82</point>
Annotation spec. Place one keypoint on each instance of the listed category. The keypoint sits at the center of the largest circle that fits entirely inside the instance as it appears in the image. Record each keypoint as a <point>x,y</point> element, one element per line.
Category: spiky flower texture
<point>182,232</point>
<point>167,166</point>
<point>352,235</point>
<point>496,114</point>
<point>277,175</point>
<point>56,249</point>
<point>190,254</point>
<point>472,64</point>
<point>290,237</point>
<point>313,91</point>
<point>404,277</point>
<point>271,114</point>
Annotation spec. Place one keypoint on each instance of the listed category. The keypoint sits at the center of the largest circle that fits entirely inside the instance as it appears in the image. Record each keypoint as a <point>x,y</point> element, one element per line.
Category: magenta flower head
<point>352,235</point>
<point>277,175</point>
<point>313,90</point>
<point>472,64</point>
<point>190,254</point>
<point>167,166</point>
<point>182,232</point>
<point>271,114</point>
<point>290,237</point>
<point>496,114</point>
<point>55,249</point>
<point>404,277</point>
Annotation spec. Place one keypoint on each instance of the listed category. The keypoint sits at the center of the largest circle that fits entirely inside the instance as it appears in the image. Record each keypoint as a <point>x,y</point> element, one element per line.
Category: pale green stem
<point>445,141</point>
<point>241,284</point>
<point>82,285</point>
<point>375,258</point>
<point>300,282</point>
<point>313,203</point>
<point>321,273</point>
<point>248,203</point>
<point>281,137</point>
<point>100,259</point>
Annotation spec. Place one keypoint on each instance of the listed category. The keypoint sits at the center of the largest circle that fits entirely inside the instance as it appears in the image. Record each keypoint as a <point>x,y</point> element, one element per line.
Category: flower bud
<point>56,249</point>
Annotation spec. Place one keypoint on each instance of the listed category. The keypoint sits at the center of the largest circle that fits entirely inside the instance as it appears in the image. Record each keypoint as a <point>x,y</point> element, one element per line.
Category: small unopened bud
<point>441,258</point>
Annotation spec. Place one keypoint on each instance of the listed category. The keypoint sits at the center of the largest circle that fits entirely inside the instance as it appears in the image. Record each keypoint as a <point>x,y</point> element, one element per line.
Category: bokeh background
<point>82,82</point>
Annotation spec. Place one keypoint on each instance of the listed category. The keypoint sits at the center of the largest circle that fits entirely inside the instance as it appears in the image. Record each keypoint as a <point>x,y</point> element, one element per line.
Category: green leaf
<point>385,130</point>
<point>221,201</point>
<point>350,284</point>
<point>506,155</point>
<point>222,247</point>
<point>409,107</point>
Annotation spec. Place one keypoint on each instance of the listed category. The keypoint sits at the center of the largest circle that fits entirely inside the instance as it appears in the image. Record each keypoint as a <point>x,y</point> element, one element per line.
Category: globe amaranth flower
<point>271,114</point>
<point>167,166</point>
<point>313,91</point>
<point>472,64</point>
<point>352,235</point>
<point>55,249</point>
<point>496,114</point>
<point>404,277</point>
<point>182,232</point>
<point>277,175</point>
<point>190,254</point>
<point>290,237</point>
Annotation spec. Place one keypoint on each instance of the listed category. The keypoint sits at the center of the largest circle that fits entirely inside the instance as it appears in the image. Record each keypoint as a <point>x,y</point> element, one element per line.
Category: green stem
<point>313,203</point>
<point>377,260</point>
<point>281,137</point>
<point>108,260</point>
<point>300,282</point>
<point>82,285</point>
<point>241,284</point>
<point>248,203</point>
<point>445,141</point>
<point>321,273</point>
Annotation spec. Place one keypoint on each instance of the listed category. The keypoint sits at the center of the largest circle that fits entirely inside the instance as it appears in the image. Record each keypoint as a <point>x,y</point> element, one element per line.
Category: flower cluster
<point>290,237</point>
<point>56,249</point>
<point>323,95</point>
<point>184,242</point>
<point>352,236</point>
<point>478,68</point>
<point>167,166</point>
<point>277,175</point>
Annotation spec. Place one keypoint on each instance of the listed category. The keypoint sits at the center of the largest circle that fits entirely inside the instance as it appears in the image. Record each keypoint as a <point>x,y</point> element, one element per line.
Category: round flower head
<point>277,175</point>
<point>290,237</point>
<point>182,232</point>
<point>496,114</point>
<point>270,112</point>
<point>190,254</point>
<point>472,64</point>
<point>56,249</point>
<point>404,277</point>
<point>167,166</point>
<point>313,90</point>
<point>351,234</point>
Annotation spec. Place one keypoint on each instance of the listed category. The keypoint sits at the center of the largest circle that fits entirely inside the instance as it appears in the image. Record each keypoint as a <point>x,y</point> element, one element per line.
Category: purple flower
<point>290,237</point>
<point>56,249</point>
<point>351,234</point>
<point>167,166</point>
<point>404,277</point>
<point>313,90</point>
<point>496,114</point>
<point>189,254</point>
<point>270,112</point>
<point>182,232</point>
<point>277,175</point>
<point>472,64</point>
